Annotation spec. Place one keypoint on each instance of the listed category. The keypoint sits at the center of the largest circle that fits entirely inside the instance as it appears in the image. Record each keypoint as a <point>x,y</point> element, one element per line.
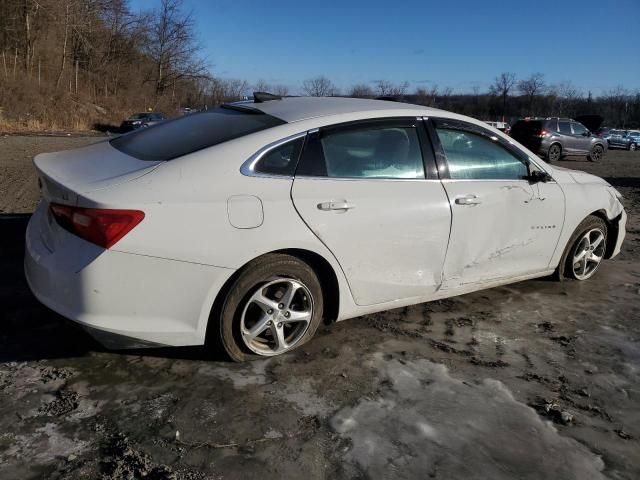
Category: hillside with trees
<point>85,64</point>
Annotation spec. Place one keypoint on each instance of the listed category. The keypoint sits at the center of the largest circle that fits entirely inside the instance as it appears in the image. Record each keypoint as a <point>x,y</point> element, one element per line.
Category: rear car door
<point>569,144</point>
<point>502,225</point>
<point>369,191</point>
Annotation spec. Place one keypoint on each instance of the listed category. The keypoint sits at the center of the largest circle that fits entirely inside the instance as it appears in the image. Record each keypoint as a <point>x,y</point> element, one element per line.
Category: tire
<point>591,227</point>
<point>554,153</point>
<point>632,147</point>
<point>596,153</point>
<point>261,288</point>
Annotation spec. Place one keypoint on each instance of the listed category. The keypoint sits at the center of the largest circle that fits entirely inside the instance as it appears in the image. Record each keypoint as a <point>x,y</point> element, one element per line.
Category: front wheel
<point>632,147</point>
<point>274,306</point>
<point>586,249</point>
<point>596,153</point>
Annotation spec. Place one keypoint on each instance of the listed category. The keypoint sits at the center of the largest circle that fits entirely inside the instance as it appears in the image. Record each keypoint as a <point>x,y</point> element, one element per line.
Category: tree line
<point>72,64</point>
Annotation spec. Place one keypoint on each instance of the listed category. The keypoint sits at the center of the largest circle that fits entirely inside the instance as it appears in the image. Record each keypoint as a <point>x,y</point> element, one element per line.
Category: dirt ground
<point>534,380</point>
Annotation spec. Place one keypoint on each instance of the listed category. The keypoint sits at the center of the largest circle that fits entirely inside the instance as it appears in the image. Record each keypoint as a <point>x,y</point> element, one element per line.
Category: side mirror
<point>538,176</point>
<point>586,134</point>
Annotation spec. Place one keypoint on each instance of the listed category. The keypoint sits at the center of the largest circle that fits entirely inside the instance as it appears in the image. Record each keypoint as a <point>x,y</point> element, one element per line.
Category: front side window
<point>474,156</point>
<point>281,160</point>
<point>578,129</point>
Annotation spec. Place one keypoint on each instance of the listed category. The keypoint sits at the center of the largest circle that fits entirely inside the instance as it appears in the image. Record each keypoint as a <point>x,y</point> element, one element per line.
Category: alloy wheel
<point>596,153</point>
<point>632,146</point>
<point>554,153</point>
<point>276,316</point>
<point>588,254</point>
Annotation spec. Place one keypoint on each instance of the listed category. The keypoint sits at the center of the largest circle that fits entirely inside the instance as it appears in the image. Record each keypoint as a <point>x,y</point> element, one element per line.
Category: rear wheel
<point>596,153</point>
<point>554,153</point>
<point>273,307</point>
<point>586,249</point>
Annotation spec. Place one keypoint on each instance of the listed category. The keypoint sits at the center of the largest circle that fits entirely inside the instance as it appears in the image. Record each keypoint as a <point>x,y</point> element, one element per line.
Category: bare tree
<point>532,87</point>
<point>172,46</point>
<point>566,94</point>
<point>319,87</point>
<point>281,90</point>
<point>277,89</point>
<point>361,90</point>
<point>384,88</point>
<point>262,86</point>
<point>501,87</point>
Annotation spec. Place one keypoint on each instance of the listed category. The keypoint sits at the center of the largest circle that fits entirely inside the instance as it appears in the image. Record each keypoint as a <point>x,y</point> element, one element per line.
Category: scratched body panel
<point>513,230</point>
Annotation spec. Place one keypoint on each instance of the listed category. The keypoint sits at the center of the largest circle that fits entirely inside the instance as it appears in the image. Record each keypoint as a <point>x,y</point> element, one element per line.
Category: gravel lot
<point>534,380</point>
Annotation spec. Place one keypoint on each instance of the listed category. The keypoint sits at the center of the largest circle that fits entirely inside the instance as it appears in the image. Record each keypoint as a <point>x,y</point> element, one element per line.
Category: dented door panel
<point>511,230</point>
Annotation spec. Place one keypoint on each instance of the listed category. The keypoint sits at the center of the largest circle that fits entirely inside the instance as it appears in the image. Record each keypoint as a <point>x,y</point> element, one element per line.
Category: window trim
<point>441,157</point>
<point>426,149</point>
<point>248,167</point>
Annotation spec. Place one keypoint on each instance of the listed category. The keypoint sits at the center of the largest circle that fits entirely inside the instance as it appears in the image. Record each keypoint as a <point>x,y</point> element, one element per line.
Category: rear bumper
<point>148,300</point>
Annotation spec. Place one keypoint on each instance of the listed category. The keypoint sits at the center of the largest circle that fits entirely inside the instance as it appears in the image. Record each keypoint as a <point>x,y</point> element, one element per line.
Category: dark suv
<point>553,138</point>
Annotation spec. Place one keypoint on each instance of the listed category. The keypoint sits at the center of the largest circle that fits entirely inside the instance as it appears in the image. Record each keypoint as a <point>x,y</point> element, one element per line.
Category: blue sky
<point>456,43</point>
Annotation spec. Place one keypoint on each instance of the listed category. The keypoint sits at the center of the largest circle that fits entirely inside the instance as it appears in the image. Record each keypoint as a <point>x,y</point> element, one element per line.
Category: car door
<point>365,192</point>
<point>569,145</point>
<point>615,138</point>
<point>503,225</point>
<point>581,137</point>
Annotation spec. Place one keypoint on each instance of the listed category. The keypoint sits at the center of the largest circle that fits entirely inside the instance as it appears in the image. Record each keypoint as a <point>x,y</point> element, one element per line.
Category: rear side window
<point>564,127</point>
<point>368,151</point>
<point>190,133</point>
<point>552,125</point>
<point>281,160</point>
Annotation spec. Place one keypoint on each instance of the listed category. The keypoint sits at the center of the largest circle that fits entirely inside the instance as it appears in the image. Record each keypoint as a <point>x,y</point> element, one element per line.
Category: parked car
<point>554,138</point>
<point>247,225</point>
<point>138,120</point>
<point>627,139</point>
<point>502,126</point>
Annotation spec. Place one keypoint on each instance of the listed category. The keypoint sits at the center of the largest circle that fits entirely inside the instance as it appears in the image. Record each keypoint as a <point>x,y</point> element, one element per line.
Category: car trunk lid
<point>62,176</point>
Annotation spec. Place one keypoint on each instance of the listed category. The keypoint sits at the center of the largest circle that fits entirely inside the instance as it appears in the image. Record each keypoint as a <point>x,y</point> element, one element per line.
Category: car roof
<point>295,109</point>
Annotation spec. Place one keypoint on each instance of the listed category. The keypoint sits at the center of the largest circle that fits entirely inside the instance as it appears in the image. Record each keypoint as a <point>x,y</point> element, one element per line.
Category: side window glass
<point>552,125</point>
<point>565,128</point>
<point>281,160</point>
<point>474,156</point>
<point>578,129</point>
<point>374,152</point>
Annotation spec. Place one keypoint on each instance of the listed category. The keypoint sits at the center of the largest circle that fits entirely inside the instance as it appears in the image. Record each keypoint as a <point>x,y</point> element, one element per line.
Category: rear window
<point>526,128</point>
<point>191,133</point>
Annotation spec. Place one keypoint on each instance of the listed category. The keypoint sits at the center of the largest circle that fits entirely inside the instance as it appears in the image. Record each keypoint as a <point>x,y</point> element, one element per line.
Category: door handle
<point>341,206</point>
<point>468,200</point>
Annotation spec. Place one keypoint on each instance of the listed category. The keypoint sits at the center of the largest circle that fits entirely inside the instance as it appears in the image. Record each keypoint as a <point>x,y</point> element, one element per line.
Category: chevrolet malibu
<point>245,226</point>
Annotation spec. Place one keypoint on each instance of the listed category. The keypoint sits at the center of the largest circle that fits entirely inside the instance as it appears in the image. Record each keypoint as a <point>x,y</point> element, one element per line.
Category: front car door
<point>503,226</point>
<point>581,137</point>
<point>369,191</point>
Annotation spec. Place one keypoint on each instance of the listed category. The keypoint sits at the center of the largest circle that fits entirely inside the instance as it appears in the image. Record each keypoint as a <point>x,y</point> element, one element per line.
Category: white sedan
<point>247,225</point>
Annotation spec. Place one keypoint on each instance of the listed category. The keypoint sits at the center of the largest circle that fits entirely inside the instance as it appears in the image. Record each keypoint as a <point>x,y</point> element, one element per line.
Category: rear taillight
<point>104,227</point>
<point>543,133</point>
